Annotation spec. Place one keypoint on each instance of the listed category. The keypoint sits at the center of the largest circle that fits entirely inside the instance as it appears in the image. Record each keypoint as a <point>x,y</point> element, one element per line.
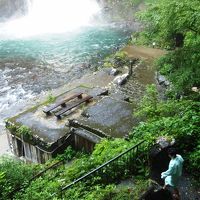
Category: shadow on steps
<point>157,193</point>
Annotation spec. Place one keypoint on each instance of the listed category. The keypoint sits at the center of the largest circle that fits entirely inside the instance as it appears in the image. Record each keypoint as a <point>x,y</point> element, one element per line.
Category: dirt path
<point>186,187</point>
<point>145,53</point>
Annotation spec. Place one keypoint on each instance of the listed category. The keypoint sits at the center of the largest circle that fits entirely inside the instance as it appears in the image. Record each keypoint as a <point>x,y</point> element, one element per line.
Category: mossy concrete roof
<point>48,128</point>
<point>111,116</point>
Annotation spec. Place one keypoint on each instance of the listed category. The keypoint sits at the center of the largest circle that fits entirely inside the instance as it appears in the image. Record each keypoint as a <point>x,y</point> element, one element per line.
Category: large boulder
<point>159,159</point>
<point>120,80</point>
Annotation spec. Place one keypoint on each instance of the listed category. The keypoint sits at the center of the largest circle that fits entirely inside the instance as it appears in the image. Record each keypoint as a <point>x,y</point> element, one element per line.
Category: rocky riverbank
<point>134,88</point>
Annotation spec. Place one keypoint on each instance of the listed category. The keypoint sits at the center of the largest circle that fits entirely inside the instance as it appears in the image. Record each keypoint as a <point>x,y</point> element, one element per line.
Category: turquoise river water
<point>32,65</point>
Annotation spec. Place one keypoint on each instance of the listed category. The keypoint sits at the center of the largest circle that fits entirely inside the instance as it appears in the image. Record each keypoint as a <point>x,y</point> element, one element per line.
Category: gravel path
<point>187,189</point>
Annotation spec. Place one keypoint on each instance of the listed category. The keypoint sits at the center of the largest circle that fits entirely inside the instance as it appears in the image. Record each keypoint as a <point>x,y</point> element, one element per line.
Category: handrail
<point>33,178</point>
<point>45,170</point>
<point>101,166</point>
<point>17,189</point>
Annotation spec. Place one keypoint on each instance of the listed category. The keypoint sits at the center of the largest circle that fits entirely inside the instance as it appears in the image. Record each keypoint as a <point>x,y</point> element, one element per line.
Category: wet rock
<point>120,80</point>
<point>104,92</point>
<point>111,71</point>
<point>98,92</point>
<point>120,96</point>
<point>162,80</point>
<point>114,72</point>
<point>167,83</point>
<point>159,160</point>
<point>164,142</point>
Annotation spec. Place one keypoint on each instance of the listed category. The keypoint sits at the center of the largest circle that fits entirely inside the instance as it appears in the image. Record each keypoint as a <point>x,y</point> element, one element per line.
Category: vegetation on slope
<point>175,25</point>
<point>175,118</point>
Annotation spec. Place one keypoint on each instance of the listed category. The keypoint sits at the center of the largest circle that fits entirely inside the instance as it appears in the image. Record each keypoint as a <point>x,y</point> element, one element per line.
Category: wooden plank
<point>64,110</point>
<point>61,103</point>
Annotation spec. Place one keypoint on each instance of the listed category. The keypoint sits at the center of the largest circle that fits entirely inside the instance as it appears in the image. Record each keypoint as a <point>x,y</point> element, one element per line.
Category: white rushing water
<point>51,16</point>
<point>55,43</point>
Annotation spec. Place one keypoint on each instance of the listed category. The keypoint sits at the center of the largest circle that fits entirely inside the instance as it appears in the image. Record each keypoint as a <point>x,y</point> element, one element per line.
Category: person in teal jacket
<point>174,172</point>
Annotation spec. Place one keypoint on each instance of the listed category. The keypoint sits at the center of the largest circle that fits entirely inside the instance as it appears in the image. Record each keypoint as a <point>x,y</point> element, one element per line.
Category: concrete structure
<point>38,137</point>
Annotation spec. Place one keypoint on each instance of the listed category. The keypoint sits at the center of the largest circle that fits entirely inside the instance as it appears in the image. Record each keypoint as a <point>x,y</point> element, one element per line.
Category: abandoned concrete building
<point>80,118</point>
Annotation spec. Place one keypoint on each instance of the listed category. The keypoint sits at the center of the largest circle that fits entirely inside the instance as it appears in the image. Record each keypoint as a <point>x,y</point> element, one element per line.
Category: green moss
<point>120,55</point>
<point>26,134</point>
<point>85,86</point>
<point>50,98</point>
<point>108,65</point>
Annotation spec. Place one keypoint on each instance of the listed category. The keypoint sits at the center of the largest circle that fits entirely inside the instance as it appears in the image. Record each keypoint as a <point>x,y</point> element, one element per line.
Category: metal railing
<point>55,165</point>
<point>114,168</point>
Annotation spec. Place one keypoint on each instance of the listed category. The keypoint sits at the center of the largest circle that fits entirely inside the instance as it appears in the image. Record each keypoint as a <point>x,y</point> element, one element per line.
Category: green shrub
<point>194,160</point>
<point>24,132</point>
<point>182,68</point>
<point>68,154</point>
<point>14,173</point>
<point>108,192</point>
<point>41,189</point>
<point>172,119</point>
<point>164,21</point>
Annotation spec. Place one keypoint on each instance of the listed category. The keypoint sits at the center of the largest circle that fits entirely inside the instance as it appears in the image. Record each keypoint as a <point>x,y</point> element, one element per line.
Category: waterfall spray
<point>52,16</point>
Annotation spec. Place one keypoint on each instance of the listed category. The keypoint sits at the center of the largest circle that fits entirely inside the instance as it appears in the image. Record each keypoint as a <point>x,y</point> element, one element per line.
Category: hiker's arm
<point>169,172</point>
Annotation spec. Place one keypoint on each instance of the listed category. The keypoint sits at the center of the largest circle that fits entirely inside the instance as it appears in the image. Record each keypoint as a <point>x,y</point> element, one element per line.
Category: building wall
<point>35,154</point>
<point>83,144</point>
<point>28,151</point>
